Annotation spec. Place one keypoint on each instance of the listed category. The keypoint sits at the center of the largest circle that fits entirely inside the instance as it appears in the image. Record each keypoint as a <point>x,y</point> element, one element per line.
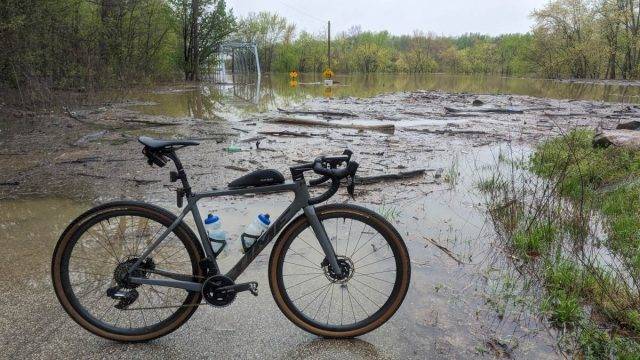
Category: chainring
<point>215,297</point>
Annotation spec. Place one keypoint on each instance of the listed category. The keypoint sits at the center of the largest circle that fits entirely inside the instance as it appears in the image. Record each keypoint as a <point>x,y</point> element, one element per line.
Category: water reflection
<point>253,94</point>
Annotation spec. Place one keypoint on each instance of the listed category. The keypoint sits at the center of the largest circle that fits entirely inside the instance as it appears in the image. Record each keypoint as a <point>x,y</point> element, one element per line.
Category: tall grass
<point>570,217</point>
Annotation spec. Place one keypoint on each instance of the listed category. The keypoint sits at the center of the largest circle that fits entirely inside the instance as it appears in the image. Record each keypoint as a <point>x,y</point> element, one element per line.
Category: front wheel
<point>375,266</point>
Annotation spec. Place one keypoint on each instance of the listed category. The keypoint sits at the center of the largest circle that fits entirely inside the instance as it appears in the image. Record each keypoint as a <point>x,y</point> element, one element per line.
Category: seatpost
<point>182,175</point>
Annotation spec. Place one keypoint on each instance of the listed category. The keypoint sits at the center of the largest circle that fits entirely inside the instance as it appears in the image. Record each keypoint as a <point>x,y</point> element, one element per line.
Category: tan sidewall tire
<point>301,223</point>
<point>165,217</point>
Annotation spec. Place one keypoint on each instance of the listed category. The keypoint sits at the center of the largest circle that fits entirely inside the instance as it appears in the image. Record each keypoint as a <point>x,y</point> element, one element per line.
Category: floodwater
<point>452,309</point>
<point>445,315</point>
<point>249,95</point>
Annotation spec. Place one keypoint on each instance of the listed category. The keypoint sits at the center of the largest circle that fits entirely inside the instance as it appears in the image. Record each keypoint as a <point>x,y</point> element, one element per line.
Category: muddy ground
<point>93,154</point>
<point>56,165</point>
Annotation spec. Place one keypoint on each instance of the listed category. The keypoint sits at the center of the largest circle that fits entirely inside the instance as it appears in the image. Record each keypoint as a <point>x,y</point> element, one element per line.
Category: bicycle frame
<point>300,202</point>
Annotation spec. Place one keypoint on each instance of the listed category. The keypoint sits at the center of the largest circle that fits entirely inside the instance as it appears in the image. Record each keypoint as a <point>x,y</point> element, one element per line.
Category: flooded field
<point>275,90</point>
<point>394,125</point>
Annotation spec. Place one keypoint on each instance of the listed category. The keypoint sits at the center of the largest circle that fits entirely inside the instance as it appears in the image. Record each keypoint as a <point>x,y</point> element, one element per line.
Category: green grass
<point>596,303</point>
<point>535,240</point>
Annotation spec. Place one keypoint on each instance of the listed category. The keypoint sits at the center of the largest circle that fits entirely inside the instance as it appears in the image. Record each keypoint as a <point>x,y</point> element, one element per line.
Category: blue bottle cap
<point>265,219</point>
<point>211,219</point>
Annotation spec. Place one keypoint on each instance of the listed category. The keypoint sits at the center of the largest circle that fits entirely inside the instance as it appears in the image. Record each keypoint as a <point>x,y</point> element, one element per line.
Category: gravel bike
<point>131,271</point>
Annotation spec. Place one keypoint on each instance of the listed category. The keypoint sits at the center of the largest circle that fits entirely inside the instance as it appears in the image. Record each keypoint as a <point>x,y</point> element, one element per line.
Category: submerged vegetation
<point>572,225</point>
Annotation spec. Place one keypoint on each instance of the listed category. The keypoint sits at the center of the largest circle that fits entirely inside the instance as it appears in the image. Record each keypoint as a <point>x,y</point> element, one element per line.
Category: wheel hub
<point>212,293</point>
<point>121,273</point>
<point>346,267</point>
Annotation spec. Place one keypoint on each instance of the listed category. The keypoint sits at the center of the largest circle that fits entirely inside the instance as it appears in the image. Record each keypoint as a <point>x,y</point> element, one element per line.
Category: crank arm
<point>250,286</point>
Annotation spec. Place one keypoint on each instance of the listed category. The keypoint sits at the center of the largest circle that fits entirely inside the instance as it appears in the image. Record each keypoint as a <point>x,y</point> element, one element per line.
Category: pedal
<point>251,287</point>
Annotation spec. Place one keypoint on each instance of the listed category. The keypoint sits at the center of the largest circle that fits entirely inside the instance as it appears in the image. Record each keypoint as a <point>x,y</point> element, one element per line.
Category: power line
<point>301,12</point>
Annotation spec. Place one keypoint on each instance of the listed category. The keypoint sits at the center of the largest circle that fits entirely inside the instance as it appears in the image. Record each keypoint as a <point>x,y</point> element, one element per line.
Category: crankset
<point>220,290</point>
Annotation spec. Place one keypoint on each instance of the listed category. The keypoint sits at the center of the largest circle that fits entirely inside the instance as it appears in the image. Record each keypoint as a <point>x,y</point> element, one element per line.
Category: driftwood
<point>304,122</point>
<point>237,168</point>
<point>9,183</point>
<point>241,130</point>
<point>365,180</point>
<point>445,250</point>
<point>484,110</point>
<point>286,133</point>
<point>317,112</point>
<point>137,181</point>
<point>449,132</point>
<point>151,122</point>
<point>90,159</point>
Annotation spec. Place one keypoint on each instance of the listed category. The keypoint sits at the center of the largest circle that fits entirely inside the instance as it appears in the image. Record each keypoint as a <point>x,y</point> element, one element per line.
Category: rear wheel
<point>375,273</point>
<point>90,267</point>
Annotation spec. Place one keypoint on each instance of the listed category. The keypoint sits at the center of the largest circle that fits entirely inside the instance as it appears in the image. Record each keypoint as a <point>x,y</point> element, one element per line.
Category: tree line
<point>87,43</point>
<point>597,39</point>
<point>84,43</point>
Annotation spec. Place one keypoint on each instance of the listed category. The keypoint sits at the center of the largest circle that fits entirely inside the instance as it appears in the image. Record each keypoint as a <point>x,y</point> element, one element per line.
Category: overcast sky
<point>443,17</point>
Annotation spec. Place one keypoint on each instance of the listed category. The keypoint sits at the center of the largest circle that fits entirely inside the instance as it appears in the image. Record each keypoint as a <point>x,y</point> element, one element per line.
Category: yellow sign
<point>293,75</point>
<point>293,83</point>
<point>328,74</point>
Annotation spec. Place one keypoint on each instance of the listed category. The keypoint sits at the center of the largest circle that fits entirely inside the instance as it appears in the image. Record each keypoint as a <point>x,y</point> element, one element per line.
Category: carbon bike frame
<point>300,202</point>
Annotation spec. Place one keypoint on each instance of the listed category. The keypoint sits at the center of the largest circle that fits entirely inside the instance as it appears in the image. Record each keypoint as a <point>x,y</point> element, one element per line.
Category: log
<point>389,128</point>
<point>449,132</point>
<point>484,110</point>
<point>150,122</point>
<point>237,168</point>
<point>137,181</point>
<point>365,180</point>
<point>317,112</point>
<point>621,138</point>
<point>286,133</point>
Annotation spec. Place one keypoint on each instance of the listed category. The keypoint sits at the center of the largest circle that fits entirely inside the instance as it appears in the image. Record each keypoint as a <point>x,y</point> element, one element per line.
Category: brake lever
<point>351,186</point>
<point>351,179</point>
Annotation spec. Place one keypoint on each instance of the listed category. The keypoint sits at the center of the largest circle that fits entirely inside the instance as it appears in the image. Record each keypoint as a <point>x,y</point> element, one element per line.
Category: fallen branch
<point>237,168</point>
<point>150,122</point>
<point>484,110</point>
<point>445,250</point>
<point>317,112</point>
<point>286,133</point>
<point>137,181</point>
<point>241,130</point>
<point>389,177</point>
<point>448,132</point>
<point>9,183</point>
<point>304,122</point>
<point>90,159</point>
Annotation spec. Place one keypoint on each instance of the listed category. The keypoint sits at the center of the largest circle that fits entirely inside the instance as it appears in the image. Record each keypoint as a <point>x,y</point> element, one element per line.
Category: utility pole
<point>329,43</point>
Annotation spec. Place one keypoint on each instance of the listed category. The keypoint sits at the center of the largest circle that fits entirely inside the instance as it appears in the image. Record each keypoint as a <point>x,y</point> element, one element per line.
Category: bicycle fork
<point>323,239</point>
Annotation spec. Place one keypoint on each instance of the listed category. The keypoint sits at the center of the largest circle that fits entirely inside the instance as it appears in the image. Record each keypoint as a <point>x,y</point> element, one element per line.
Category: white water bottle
<point>218,238</point>
<point>253,231</point>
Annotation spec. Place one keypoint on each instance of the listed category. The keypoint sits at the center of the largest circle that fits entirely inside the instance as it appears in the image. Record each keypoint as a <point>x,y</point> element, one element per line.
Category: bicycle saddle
<point>157,144</point>
<point>258,178</point>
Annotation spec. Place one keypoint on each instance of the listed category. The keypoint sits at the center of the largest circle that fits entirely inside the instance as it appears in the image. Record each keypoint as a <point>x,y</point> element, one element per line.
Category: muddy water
<point>275,90</point>
<point>445,315</point>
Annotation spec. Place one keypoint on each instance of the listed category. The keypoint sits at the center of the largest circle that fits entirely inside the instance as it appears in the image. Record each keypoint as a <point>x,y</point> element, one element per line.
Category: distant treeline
<point>570,39</point>
<point>84,43</point>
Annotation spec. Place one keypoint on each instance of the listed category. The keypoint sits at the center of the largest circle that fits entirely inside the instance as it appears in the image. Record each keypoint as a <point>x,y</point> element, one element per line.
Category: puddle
<point>445,310</point>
